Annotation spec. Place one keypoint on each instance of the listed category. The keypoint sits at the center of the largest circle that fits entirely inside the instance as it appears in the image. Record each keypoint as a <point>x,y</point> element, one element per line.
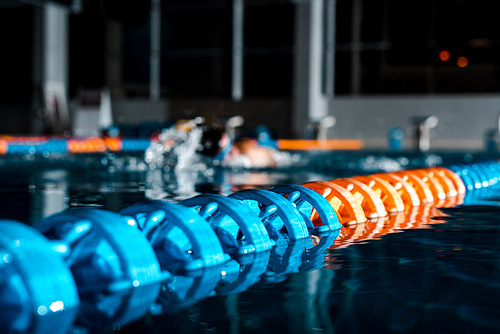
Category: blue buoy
<point>116,271</point>
<point>306,200</point>
<point>277,213</point>
<point>240,231</point>
<point>37,291</point>
<point>181,238</point>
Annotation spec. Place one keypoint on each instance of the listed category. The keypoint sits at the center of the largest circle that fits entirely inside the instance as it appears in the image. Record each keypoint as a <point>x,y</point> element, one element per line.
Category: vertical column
<point>431,45</point>
<point>154,60</point>
<point>36,125</point>
<point>56,26</point>
<point>329,73</point>
<point>357,15</point>
<point>113,59</point>
<point>50,65</point>
<point>237,51</point>
<point>310,102</point>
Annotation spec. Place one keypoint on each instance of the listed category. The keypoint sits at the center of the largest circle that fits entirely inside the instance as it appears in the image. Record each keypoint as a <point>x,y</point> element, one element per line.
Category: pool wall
<point>463,119</point>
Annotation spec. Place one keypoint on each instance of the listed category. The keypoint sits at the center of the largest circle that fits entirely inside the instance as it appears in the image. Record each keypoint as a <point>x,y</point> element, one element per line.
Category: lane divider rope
<point>95,268</point>
<point>11,145</point>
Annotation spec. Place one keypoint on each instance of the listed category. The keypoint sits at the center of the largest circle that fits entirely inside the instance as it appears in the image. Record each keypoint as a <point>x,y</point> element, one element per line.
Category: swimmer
<point>212,143</point>
<point>245,152</point>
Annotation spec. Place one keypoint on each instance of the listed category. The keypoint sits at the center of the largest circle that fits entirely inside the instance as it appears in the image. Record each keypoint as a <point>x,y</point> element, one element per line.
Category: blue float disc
<point>116,271</point>
<point>306,200</point>
<point>488,172</point>
<point>181,238</point>
<point>275,211</point>
<point>37,291</point>
<point>463,173</point>
<point>470,177</point>
<point>238,228</point>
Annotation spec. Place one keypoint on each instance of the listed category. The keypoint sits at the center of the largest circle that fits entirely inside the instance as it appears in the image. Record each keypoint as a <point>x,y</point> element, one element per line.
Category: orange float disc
<point>343,202</point>
<point>3,146</point>
<point>435,186</point>
<point>404,189</point>
<point>448,186</point>
<point>392,200</point>
<point>424,193</point>
<point>113,144</point>
<point>454,178</point>
<point>369,200</point>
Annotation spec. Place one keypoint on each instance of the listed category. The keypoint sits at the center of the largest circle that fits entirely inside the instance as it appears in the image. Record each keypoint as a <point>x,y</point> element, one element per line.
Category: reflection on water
<point>426,271</point>
<point>425,280</point>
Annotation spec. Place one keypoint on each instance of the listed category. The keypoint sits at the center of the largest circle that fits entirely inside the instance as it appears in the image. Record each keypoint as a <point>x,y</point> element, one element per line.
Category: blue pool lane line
<point>94,268</point>
<point>73,145</point>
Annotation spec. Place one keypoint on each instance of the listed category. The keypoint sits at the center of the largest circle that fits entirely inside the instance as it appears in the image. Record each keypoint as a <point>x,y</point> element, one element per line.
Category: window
<point>410,46</point>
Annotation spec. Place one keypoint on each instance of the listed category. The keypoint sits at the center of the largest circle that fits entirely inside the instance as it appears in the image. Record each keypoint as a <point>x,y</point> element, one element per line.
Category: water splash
<point>264,157</point>
<point>177,150</point>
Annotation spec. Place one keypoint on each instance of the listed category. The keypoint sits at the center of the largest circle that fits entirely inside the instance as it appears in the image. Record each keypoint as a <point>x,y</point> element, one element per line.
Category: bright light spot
<point>135,283</point>
<point>444,55</point>
<point>7,258</point>
<point>17,243</point>
<point>61,248</point>
<point>462,61</point>
<point>42,310</point>
<point>155,219</point>
<point>131,222</point>
<point>404,161</point>
<point>79,229</point>
<point>223,273</point>
<point>57,306</point>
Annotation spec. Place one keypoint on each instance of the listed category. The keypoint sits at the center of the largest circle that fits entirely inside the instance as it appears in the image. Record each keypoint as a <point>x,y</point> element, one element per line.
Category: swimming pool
<point>422,274</point>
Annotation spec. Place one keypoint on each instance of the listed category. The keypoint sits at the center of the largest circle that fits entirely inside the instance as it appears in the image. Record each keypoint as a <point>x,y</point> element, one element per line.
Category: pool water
<point>438,273</point>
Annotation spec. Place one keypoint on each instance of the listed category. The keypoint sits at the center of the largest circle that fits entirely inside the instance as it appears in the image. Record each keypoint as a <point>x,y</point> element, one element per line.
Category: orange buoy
<point>3,146</point>
<point>423,191</point>
<point>368,199</point>
<point>408,194</point>
<point>392,200</point>
<point>113,144</point>
<point>428,178</point>
<point>343,202</point>
<point>448,186</point>
<point>454,178</point>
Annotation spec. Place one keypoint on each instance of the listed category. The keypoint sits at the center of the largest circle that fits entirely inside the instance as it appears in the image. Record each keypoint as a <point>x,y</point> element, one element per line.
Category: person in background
<point>216,142</point>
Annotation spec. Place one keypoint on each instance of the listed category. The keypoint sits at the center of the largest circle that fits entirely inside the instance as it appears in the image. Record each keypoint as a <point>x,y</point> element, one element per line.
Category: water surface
<point>436,273</point>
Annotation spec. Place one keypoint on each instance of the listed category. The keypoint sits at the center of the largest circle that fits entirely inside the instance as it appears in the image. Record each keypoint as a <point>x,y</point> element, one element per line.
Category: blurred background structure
<point>368,65</point>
